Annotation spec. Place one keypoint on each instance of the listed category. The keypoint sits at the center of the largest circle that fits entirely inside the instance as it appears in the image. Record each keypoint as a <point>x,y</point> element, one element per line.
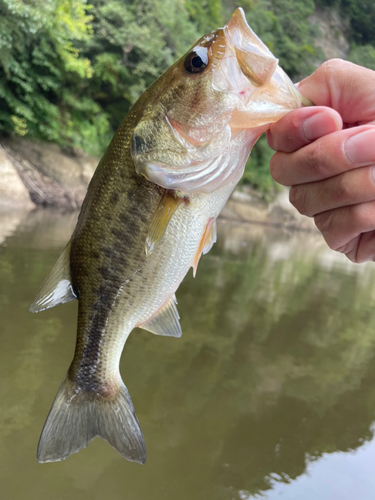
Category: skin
<point>326,154</point>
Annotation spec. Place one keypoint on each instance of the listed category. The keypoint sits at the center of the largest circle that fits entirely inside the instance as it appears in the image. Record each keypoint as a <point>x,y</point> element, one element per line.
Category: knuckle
<point>333,64</point>
<point>361,216</point>
<point>357,215</point>
<point>275,168</point>
<point>346,248</point>
<point>294,196</point>
<point>299,199</point>
<point>270,138</point>
<point>320,222</point>
<point>324,222</point>
<point>314,159</point>
<point>343,191</point>
<point>330,68</point>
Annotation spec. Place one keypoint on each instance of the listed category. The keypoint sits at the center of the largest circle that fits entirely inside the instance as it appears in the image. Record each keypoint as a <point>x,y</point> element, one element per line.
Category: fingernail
<point>319,124</point>
<point>360,148</point>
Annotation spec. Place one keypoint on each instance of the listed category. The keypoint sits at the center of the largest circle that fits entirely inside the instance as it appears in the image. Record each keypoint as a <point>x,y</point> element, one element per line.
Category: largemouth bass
<point>148,216</point>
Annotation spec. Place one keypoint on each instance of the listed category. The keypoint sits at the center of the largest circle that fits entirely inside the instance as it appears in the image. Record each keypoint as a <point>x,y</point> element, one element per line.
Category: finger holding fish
<point>332,171</point>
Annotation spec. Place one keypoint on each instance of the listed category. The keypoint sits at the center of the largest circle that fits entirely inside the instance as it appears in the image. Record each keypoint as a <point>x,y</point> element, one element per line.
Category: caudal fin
<point>77,416</point>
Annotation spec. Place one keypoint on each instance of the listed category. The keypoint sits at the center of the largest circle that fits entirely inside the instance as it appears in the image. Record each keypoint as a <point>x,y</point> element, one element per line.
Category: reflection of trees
<point>26,339</point>
<point>23,342</point>
<point>274,368</point>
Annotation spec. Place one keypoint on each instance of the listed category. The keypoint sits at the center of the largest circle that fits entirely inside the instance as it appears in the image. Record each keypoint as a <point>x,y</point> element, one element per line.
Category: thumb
<point>345,87</point>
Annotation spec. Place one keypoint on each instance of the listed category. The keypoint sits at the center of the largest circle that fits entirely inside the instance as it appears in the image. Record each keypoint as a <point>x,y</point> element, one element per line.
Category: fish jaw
<point>250,72</point>
<point>188,139</point>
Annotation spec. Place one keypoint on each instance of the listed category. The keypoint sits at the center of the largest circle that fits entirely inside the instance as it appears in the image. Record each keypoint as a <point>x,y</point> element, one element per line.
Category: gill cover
<point>198,134</point>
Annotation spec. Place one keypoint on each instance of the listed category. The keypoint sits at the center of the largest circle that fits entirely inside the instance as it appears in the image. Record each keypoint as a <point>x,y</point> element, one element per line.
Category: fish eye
<point>197,60</point>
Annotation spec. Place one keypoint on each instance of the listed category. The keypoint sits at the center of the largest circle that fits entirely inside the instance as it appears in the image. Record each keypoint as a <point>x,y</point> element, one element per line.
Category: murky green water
<point>270,392</point>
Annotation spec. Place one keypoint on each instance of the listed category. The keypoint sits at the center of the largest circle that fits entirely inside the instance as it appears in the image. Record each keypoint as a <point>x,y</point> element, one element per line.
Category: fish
<point>149,215</point>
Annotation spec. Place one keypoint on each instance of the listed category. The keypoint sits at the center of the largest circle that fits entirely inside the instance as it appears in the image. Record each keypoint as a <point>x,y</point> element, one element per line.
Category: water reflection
<point>275,369</point>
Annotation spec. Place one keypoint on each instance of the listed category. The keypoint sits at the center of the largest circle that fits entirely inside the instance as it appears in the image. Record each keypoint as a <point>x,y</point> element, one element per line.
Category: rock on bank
<point>43,175</point>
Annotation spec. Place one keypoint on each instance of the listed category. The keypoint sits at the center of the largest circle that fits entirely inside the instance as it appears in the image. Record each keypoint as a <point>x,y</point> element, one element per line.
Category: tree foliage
<point>364,55</point>
<point>37,59</point>
<point>132,44</point>
<point>69,71</point>
<point>362,19</point>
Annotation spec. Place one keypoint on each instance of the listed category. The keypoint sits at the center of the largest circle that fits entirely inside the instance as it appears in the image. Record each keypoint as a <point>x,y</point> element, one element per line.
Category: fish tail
<point>78,415</point>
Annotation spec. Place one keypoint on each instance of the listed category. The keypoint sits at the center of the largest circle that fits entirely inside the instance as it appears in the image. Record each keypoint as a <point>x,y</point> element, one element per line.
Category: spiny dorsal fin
<point>165,321</point>
<point>208,239</point>
<point>57,287</point>
<point>166,208</point>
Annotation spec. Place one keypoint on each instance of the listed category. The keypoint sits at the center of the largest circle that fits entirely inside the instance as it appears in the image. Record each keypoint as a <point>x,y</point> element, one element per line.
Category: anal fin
<point>57,287</point>
<point>165,321</point>
<point>206,243</point>
<point>166,208</point>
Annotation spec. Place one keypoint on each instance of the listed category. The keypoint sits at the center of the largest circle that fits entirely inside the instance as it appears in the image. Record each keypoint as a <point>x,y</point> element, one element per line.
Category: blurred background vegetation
<point>70,70</point>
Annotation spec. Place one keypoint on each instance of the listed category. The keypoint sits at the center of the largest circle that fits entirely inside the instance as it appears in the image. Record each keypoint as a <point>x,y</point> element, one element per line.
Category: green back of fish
<point>108,244</point>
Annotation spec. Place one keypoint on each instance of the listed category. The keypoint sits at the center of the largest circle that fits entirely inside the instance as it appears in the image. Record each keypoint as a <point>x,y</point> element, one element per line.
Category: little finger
<point>341,225</point>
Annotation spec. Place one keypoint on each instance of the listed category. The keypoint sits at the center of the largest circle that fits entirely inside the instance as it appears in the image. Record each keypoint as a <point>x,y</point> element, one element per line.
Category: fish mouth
<point>242,92</point>
<point>251,73</point>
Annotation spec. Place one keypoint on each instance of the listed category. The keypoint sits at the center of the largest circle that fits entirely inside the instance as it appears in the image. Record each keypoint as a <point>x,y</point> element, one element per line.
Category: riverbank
<point>39,174</point>
<point>43,175</point>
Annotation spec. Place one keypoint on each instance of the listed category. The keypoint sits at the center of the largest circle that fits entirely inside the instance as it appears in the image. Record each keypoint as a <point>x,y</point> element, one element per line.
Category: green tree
<point>133,43</point>
<point>207,15</point>
<point>257,170</point>
<point>37,58</point>
<point>284,27</point>
<point>362,19</point>
<point>364,55</point>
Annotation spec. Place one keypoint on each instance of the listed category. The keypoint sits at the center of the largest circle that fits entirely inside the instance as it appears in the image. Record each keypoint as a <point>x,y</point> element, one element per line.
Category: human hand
<point>327,156</point>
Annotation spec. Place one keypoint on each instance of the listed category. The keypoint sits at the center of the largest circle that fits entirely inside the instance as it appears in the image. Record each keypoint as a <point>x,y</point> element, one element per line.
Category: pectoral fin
<point>57,287</point>
<point>211,238</point>
<point>208,239</point>
<point>165,321</point>
<point>166,208</point>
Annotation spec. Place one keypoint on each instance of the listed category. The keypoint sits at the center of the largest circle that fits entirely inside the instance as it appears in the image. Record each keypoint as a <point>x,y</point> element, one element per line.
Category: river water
<point>270,392</point>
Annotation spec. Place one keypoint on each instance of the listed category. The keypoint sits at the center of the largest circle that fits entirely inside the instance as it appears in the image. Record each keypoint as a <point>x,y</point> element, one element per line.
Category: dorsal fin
<point>57,287</point>
<point>160,220</point>
<point>205,245</point>
<point>165,321</point>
